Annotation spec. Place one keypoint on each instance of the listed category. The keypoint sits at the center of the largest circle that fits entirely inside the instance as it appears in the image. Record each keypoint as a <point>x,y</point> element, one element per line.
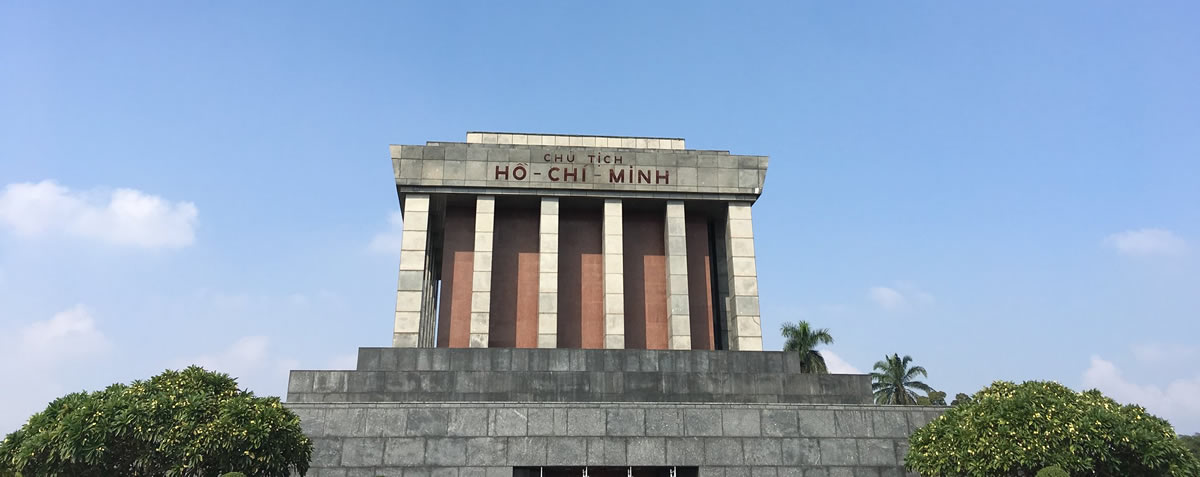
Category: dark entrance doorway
<point>642,471</point>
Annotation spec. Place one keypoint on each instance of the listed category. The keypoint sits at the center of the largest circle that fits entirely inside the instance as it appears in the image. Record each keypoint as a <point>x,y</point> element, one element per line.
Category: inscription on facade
<point>577,167</point>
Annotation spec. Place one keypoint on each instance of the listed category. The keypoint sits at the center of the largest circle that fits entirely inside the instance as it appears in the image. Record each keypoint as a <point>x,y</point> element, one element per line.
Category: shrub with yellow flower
<point>190,422</point>
<point>1018,429</point>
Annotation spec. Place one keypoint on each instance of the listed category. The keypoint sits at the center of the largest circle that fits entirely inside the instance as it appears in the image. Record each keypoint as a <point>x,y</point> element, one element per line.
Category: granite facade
<point>483,411</point>
<point>407,439</point>
<point>595,170</point>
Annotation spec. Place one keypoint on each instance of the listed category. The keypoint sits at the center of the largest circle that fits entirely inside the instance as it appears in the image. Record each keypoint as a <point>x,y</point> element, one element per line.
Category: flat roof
<point>578,140</point>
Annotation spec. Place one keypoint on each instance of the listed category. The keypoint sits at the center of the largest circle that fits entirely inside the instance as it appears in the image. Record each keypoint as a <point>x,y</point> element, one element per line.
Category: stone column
<point>679,325</point>
<point>481,286</point>
<point>720,276</point>
<point>414,270</point>
<point>614,276</point>
<point>427,338</point>
<point>745,329</point>
<point>548,274</point>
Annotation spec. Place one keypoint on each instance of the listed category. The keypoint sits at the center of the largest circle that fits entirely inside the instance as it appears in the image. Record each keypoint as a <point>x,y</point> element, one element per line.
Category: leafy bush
<point>1191,442</point>
<point>1017,429</point>
<point>190,422</point>
<point>234,474</point>
<point>1053,471</point>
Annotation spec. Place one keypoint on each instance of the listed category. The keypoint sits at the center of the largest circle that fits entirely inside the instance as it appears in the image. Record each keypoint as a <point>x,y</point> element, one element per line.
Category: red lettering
<point>662,177</point>
<point>643,177</point>
<point>571,174</point>
<point>551,172</point>
<point>615,177</point>
<point>499,172</point>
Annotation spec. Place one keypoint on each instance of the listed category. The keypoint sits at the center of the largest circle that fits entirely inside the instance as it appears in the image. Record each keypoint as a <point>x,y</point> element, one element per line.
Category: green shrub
<point>1017,429</point>
<point>233,474</point>
<point>1191,442</point>
<point>1053,471</point>
<point>190,422</point>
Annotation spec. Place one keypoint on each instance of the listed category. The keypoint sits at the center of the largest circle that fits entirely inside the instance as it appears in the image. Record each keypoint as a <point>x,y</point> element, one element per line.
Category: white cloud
<point>388,242</point>
<point>247,352</point>
<point>250,361</point>
<point>47,359</point>
<point>69,333</point>
<point>900,297</point>
<point>836,364</point>
<point>1158,353</point>
<point>1147,242</point>
<point>1175,402</point>
<point>887,298</point>
<point>123,217</point>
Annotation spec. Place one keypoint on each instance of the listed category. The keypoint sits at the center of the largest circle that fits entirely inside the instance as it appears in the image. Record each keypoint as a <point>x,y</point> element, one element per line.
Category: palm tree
<point>893,380</point>
<point>803,339</point>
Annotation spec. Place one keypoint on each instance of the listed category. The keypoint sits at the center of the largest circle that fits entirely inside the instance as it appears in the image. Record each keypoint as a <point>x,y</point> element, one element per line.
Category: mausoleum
<point>585,306</point>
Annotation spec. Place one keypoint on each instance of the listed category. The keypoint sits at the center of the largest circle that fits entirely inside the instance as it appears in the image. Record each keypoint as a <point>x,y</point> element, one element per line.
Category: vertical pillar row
<point>745,328</point>
<point>426,338</point>
<point>679,325</point>
<point>614,276</point>
<point>548,274</point>
<point>414,270</point>
<point>721,305</point>
<point>481,280</point>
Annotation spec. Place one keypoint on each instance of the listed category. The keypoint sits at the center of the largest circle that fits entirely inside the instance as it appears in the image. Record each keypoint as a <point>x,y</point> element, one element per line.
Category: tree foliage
<point>1191,442</point>
<point>1053,471</point>
<point>933,398</point>
<point>893,381</point>
<point>961,398</point>
<point>1017,429</point>
<point>179,423</point>
<point>803,338</point>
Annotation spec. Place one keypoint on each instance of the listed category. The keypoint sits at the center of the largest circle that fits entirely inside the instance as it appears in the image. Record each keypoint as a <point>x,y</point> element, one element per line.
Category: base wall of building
<point>480,412</point>
<point>727,440</point>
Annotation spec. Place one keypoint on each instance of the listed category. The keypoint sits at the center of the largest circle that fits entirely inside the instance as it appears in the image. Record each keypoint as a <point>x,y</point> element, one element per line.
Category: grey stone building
<point>585,306</point>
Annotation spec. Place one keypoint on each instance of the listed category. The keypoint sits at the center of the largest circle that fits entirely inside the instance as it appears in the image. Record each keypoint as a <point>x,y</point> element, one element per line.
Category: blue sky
<point>1001,191</point>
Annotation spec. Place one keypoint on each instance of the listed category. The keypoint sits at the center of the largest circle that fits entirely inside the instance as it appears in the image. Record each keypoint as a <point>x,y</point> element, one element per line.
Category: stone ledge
<point>575,375</point>
<point>575,386</point>
<point>564,359</point>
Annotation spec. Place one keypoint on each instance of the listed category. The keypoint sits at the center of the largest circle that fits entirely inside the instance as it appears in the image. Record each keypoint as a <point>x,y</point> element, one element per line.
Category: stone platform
<point>431,412</point>
<point>575,375</point>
